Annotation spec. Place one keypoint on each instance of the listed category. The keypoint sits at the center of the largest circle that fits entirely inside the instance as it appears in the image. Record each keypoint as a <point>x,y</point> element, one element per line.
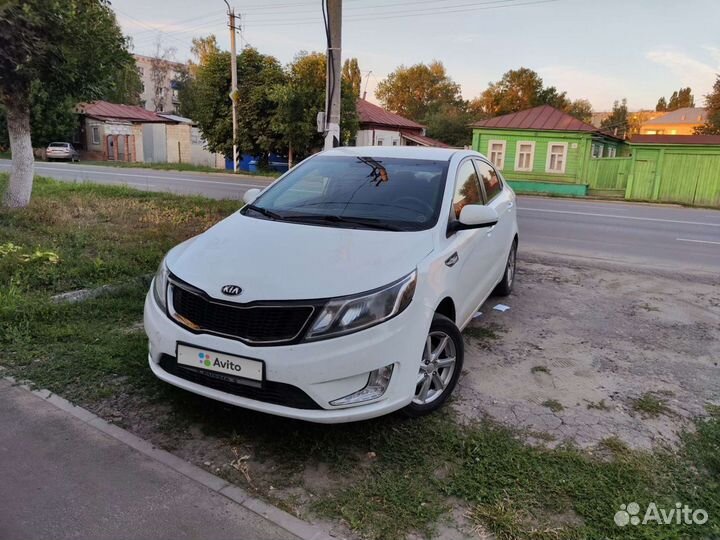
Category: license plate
<point>228,364</point>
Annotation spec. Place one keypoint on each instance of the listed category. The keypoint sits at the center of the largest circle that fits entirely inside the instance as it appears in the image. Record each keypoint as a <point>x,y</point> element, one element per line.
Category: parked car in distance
<point>61,150</point>
<point>339,292</point>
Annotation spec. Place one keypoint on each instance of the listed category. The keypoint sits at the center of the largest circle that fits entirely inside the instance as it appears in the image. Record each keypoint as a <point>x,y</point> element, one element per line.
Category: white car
<point>339,292</point>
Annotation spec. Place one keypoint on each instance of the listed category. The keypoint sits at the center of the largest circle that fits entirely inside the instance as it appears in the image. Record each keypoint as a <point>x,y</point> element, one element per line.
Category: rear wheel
<point>504,288</point>
<point>440,367</point>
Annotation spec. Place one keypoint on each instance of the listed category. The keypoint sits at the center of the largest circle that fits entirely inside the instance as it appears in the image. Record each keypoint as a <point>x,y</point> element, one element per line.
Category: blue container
<point>252,166</point>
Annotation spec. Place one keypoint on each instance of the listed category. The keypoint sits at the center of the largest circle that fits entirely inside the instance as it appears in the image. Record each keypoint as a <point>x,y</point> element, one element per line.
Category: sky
<point>600,50</point>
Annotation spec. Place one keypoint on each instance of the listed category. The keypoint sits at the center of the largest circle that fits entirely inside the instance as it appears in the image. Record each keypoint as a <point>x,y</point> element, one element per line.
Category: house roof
<point>676,139</point>
<point>369,113</point>
<point>543,117</point>
<point>686,115</point>
<point>422,140</point>
<point>176,118</point>
<point>103,110</point>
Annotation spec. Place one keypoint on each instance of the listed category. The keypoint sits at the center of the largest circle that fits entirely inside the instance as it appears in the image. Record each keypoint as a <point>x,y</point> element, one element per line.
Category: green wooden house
<point>675,168</point>
<point>544,149</point>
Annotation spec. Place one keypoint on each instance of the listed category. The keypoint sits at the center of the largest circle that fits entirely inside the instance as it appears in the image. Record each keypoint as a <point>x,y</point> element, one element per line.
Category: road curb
<point>293,525</point>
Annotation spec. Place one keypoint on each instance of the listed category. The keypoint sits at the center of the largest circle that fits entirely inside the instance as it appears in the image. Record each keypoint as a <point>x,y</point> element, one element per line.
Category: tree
<point>161,73</point>
<point>581,109</point>
<point>618,122</point>
<point>351,75</point>
<point>678,100</point>
<point>71,49</point>
<point>450,124</point>
<point>416,91</point>
<point>712,104</point>
<point>299,100</point>
<point>517,90</point>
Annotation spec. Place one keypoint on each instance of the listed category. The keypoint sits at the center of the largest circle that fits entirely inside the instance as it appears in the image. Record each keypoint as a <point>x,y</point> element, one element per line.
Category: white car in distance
<point>339,292</point>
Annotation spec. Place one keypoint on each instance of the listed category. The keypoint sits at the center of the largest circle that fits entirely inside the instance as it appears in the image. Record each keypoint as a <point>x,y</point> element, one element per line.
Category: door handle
<point>452,259</point>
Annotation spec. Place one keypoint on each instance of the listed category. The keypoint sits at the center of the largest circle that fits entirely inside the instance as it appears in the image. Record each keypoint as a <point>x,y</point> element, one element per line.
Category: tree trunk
<point>19,189</point>
<point>290,157</point>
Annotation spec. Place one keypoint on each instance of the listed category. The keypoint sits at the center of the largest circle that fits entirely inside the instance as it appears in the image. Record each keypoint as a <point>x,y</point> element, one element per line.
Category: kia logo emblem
<point>231,290</point>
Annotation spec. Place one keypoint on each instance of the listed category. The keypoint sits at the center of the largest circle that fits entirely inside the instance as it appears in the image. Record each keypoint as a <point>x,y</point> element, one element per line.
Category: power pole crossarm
<point>334,73</point>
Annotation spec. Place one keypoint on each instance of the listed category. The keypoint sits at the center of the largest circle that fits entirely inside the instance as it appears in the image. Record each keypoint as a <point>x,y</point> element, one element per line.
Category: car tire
<point>504,288</point>
<point>437,377</point>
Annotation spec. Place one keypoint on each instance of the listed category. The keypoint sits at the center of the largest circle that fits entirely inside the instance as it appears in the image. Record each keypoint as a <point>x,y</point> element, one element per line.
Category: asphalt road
<point>661,236</point>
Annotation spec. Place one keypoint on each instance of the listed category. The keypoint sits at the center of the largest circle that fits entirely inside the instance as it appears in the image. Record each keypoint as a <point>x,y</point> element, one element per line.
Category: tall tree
<point>161,74</point>
<point>72,49</point>
<point>678,100</point>
<point>450,124</point>
<point>517,90</point>
<point>418,90</point>
<point>712,104</point>
<point>581,109</point>
<point>618,122</point>
<point>351,75</point>
<point>299,100</point>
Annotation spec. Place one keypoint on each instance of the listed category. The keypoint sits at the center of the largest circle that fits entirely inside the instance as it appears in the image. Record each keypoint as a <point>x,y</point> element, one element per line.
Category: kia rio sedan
<point>339,292</point>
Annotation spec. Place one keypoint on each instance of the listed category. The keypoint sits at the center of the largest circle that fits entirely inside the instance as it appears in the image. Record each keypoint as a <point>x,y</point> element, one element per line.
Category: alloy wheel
<point>510,270</point>
<point>436,369</point>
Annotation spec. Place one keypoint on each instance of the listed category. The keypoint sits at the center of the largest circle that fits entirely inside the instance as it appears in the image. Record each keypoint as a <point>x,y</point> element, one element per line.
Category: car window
<point>490,179</point>
<point>403,193</point>
<point>467,189</point>
<point>59,145</point>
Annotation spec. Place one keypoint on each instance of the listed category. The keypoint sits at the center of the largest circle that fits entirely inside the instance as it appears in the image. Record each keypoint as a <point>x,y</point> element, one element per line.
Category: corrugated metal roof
<point>686,115</point>
<point>543,117</point>
<point>104,110</point>
<point>676,139</point>
<point>369,113</point>
<point>176,118</point>
<point>422,140</point>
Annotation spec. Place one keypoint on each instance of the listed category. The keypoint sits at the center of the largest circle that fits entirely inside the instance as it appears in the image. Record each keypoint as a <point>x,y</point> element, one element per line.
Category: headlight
<point>352,313</point>
<point>159,285</point>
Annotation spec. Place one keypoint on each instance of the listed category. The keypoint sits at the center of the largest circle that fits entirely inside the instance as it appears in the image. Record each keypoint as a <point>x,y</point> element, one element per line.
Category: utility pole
<point>233,88</point>
<point>334,74</point>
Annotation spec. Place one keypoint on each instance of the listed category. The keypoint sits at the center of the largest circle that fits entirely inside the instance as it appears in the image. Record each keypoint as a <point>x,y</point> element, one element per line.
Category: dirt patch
<point>592,342</point>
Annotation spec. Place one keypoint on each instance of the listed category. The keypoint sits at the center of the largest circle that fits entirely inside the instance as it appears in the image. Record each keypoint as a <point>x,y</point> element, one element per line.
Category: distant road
<point>663,236</point>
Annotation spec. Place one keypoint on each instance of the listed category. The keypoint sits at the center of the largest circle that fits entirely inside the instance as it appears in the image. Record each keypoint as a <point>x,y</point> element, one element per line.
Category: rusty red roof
<point>104,110</point>
<point>675,139</point>
<point>369,113</point>
<point>422,140</point>
<point>543,117</point>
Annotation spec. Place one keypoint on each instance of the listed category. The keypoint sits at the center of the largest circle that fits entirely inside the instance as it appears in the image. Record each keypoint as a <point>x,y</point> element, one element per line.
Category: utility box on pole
<point>334,74</point>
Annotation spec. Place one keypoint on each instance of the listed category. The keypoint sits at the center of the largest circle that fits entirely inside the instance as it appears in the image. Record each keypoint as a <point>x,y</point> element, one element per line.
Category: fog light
<point>378,382</point>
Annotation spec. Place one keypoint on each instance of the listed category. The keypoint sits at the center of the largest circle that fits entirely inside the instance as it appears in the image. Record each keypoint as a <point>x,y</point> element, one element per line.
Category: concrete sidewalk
<point>62,477</point>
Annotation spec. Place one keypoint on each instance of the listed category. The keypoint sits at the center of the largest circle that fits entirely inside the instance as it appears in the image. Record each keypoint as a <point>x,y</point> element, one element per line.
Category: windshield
<point>59,145</point>
<point>351,191</point>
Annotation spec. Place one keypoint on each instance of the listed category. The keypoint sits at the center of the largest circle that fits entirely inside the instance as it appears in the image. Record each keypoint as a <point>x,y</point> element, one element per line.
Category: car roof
<point>410,152</point>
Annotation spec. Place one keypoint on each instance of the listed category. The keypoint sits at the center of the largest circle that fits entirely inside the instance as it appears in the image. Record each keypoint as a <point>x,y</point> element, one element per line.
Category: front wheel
<point>440,367</point>
<point>504,288</point>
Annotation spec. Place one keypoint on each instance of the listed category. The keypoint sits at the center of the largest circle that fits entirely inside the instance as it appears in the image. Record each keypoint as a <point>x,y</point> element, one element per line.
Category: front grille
<point>268,392</point>
<point>253,323</point>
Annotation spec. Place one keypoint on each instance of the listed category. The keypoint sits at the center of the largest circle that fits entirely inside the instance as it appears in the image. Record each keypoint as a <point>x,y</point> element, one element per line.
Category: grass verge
<point>385,477</point>
<point>179,167</point>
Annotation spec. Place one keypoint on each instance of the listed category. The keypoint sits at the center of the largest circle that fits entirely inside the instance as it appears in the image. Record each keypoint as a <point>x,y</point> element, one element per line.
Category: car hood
<point>275,260</point>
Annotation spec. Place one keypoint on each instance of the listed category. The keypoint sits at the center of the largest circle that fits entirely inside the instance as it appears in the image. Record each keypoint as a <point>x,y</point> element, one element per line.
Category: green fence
<point>608,173</point>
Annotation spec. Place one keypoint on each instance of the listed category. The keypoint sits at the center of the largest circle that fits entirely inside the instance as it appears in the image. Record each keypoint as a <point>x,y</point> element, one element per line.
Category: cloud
<point>688,70</point>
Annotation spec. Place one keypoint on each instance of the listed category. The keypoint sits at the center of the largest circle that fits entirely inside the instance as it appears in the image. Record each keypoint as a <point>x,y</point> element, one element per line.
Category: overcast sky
<point>600,50</point>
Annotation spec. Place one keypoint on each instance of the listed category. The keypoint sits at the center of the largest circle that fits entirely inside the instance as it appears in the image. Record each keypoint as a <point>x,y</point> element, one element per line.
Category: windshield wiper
<point>265,212</point>
<point>368,223</point>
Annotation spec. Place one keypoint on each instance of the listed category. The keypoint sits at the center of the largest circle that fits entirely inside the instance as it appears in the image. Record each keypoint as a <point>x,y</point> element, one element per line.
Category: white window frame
<point>95,130</point>
<point>565,158</point>
<point>612,151</point>
<point>490,152</point>
<point>529,168</point>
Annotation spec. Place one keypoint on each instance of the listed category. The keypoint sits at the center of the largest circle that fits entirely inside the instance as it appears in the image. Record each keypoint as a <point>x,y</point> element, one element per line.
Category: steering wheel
<point>415,201</point>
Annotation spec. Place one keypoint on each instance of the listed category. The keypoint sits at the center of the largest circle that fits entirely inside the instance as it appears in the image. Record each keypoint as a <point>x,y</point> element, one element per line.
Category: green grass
<point>650,405</point>
<point>553,404</point>
<point>540,369</point>
<point>76,236</point>
<point>178,167</point>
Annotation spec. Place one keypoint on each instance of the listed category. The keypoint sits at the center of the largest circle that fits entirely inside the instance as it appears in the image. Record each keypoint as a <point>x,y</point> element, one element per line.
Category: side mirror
<point>250,195</point>
<point>475,216</point>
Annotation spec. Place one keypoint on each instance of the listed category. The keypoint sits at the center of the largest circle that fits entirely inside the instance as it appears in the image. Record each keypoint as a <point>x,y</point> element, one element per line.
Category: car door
<point>502,200</point>
<point>468,257</point>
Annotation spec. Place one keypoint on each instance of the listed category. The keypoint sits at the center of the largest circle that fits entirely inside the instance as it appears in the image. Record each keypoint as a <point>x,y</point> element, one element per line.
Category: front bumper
<point>324,370</point>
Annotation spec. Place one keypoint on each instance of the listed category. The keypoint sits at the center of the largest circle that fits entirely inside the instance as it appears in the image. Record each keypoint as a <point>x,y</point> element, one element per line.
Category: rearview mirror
<point>250,195</point>
<point>475,216</point>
